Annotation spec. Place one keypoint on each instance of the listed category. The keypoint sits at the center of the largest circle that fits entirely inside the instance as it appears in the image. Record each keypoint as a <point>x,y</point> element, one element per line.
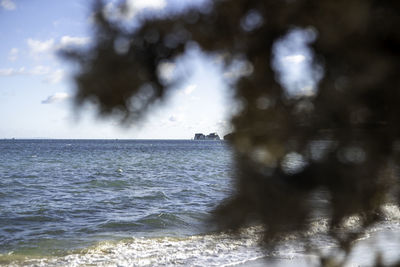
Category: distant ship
<point>211,136</point>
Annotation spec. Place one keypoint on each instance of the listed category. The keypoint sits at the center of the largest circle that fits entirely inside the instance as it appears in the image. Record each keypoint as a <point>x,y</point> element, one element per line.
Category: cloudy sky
<point>36,86</point>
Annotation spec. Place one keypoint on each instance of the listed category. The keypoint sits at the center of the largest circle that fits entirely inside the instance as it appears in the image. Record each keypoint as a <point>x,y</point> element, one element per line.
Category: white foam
<point>200,250</point>
<point>204,250</point>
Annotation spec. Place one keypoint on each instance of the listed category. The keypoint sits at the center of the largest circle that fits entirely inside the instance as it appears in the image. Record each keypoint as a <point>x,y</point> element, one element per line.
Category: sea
<point>141,203</point>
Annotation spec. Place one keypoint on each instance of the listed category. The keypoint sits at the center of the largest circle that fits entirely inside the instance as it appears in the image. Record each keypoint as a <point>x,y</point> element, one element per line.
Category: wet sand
<point>385,241</point>
<point>280,262</point>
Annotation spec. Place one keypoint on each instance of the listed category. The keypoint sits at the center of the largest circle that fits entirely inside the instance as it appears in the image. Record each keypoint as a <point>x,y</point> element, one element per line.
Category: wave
<point>199,250</point>
<point>213,249</point>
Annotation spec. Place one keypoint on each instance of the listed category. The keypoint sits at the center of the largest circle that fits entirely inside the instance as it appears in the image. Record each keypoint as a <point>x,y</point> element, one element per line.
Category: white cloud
<point>175,118</point>
<point>13,54</point>
<point>57,97</point>
<point>294,58</point>
<point>55,76</point>
<point>71,41</point>
<point>38,47</point>
<point>6,72</point>
<point>189,89</point>
<point>12,72</point>
<point>52,76</point>
<point>142,4</point>
<point>132,8</point>
<point>39,70</point>
<point>8,4</point>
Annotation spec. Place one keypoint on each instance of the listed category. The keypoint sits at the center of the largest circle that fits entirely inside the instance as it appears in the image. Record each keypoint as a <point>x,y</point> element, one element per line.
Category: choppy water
<point>120,203</point>
<point>57,195</point>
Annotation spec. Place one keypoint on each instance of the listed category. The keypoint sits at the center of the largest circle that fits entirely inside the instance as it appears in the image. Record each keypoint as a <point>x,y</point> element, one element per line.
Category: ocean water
<point>133,203</point>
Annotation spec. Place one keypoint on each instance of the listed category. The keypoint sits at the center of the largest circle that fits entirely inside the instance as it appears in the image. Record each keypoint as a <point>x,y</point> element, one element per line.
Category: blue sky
<point>36,86</point>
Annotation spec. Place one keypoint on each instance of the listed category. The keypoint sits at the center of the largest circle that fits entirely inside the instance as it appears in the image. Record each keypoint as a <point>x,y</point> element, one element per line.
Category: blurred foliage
<point>341,142</point>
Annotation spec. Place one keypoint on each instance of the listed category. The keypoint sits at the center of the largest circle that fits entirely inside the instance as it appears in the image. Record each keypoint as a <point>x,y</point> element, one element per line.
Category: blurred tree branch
<point>354,111</point>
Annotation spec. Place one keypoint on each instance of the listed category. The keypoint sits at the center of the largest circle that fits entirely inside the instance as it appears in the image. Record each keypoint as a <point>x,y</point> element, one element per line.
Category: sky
<point>36,85</point>
<point>37,88</point>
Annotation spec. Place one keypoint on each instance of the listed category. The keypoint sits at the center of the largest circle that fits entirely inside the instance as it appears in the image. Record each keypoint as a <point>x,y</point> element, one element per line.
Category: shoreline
<point>384,241</point>
<point>281,262</point>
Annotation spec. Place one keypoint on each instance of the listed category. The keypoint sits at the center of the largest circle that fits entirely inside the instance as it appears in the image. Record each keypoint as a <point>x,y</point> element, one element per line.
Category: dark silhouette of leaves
<point>341,142</point>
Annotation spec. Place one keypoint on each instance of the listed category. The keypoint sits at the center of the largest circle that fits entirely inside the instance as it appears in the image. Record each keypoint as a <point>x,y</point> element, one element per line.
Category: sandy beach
<point>385,240</point>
